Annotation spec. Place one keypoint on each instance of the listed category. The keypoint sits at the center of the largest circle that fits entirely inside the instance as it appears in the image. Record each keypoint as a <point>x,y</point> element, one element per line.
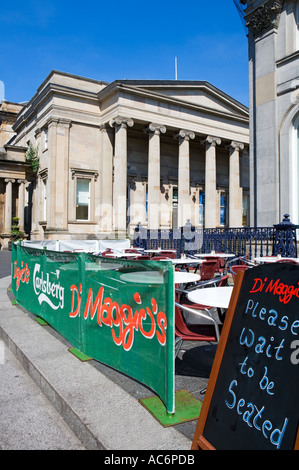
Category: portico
<point>157,190</point>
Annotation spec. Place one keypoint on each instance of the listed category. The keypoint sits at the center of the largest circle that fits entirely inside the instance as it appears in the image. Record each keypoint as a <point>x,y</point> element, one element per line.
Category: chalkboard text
<point>271,316</point>
<point>284,291</point>
<point>253,416</point>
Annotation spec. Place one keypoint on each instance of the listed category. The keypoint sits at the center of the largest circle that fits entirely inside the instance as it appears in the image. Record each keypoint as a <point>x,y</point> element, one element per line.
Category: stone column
<point>8,205</point>
<point>184,202</point>
<point>62,174</point>
<point>35,210</point>
<point>21,203</point>
<point>210,182</point>
<point>106,179</point>
<point>154,184</point>
<point>58,175</point>
<point>235,190</point>
<point>51,187</point>
<point>120,174</point>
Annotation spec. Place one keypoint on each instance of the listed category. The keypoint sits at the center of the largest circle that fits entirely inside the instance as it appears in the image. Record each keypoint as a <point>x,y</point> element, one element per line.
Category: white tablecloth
<point>212,296</point>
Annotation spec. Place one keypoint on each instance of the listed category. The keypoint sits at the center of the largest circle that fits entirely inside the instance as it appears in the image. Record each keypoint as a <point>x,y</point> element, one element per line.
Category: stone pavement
<point>51,400</point>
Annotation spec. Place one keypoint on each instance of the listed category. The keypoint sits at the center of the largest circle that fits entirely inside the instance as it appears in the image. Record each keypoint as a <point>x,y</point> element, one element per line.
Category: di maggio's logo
<point>21,274</point>
<point>50,292</point>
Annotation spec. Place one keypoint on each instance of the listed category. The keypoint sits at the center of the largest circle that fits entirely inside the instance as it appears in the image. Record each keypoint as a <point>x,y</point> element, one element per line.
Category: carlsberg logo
<point>50,292</point>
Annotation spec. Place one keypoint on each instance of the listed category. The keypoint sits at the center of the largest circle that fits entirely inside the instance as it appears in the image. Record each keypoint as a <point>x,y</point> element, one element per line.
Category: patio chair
<point>184,332</point>
<point>245,260</point>
<point>215,282</point>
<point>108,253</point>
<point>218,282</point>
<point>208,269</point>
<point>235,269</point>
<point>220,268</point>
<point>168,254</point>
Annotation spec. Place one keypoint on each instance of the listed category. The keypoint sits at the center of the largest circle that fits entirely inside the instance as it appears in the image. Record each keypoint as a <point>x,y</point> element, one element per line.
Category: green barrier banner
<point>116,311</point>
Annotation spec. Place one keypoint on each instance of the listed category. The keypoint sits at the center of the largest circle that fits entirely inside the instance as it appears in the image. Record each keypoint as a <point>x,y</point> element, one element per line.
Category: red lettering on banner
<point>284,291</point>
<point>21,274</point>
<point>75,293</point>
<point>120,318</point>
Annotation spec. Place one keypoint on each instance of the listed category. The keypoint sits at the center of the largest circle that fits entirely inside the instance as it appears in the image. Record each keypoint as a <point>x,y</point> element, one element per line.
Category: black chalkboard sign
<point>251,400</point>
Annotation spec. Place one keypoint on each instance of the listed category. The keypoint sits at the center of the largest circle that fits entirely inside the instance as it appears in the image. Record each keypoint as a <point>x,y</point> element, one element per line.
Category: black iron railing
<point>244,241</point>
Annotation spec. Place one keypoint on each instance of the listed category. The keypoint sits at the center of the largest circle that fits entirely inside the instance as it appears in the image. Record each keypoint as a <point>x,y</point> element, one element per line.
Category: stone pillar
<point>51,187</point>
<point>120,174</point>
<point>184,202</point>
<point>210,182</point>
<point>267,82</point>
<point>35,207</point>
<point>8,205</point>
<point>58,175</point>
<point>235,190</point>
<point>106,180</point>
<point>154,184</point>
<point>62,174</point>
<point>21,203</point>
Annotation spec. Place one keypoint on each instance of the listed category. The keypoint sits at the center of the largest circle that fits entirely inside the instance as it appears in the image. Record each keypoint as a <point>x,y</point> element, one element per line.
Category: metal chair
<point>184,332</point>
<point>235,269</point>
<point>196,308</point>
<point>208,269</point>
<point>220,268</point>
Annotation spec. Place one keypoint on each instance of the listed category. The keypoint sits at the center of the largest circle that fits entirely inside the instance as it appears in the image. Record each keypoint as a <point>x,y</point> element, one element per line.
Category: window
<point>201,208</point>
<point>245,212</point>
<point>45,139</point>
<point>175,198</point>
<point>223,208</point>
<point>44,190</point>
<point>43,175</point>
<point>82,195</point>
<point>83,199</point>
<point>128,202</point>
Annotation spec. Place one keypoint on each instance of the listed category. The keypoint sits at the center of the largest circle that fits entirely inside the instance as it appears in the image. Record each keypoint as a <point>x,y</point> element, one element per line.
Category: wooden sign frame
<point>199,441</point>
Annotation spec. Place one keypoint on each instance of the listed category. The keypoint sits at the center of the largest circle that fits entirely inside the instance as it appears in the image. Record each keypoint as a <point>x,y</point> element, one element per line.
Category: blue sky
<point>122,39</point>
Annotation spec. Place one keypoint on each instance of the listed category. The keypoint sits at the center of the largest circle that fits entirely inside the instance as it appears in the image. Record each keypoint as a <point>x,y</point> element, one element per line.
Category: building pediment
<point>201,95</point>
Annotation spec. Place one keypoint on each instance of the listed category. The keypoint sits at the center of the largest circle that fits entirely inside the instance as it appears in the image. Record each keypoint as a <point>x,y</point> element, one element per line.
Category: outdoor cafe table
<point>215,255</point>
<point>114,254</point>
<point>158,250</point>
<point>186,261</point>
<point>212,296</point>
<point>155,277</point>
<point>181,277</point>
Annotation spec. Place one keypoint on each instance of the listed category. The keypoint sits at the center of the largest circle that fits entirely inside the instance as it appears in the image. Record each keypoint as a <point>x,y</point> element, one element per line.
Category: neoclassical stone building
<point>273,37</point>
<point>115,154</point>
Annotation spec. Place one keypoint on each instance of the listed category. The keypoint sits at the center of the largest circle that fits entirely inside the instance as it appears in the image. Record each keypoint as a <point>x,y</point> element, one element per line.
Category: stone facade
<point>274,109</point>
<point>112,155</point>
